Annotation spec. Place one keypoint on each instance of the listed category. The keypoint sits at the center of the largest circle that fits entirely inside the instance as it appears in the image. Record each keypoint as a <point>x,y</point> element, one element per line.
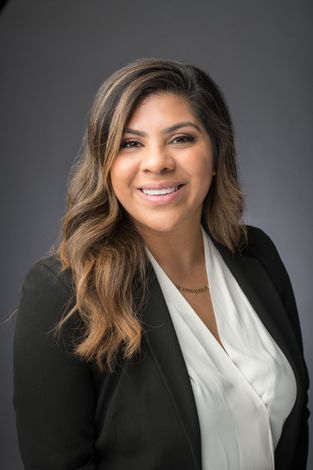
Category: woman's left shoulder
<point>257,236</point>
<point>261,245</point>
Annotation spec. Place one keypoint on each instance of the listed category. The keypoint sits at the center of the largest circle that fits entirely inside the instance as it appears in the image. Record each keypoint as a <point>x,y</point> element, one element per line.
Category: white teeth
<point>158,192</point>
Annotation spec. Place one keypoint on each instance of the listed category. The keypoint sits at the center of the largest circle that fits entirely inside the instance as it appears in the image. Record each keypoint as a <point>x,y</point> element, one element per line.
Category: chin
<point>161,226</point>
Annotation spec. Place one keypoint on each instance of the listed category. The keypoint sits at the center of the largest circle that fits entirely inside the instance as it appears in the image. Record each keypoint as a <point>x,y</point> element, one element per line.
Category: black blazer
<point>142,416</point>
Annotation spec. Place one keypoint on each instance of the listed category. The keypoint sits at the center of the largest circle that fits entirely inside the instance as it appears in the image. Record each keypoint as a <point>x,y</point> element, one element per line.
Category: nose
<point>157,159</point>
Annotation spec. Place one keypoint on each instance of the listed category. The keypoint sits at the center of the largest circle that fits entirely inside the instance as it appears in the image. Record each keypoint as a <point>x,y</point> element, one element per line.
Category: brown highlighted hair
<point>99,243</point>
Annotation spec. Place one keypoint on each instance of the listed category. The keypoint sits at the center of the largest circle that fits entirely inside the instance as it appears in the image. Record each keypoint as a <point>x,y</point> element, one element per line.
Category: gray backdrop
<point>55,54</point>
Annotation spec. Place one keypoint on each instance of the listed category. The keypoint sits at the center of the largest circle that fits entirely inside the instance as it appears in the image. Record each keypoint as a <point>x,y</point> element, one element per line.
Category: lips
<point>161,188</point>
<point>160,191</point>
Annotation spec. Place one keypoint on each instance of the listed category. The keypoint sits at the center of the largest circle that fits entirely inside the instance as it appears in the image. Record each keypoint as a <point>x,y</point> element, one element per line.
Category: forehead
<point>165,106</point>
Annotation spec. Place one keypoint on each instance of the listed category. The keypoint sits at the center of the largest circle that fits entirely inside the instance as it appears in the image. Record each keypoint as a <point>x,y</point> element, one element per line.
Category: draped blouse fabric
<point>244,392</point>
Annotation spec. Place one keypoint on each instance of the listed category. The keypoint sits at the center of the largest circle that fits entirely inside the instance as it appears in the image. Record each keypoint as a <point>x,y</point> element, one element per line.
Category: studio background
<point>55,55</point>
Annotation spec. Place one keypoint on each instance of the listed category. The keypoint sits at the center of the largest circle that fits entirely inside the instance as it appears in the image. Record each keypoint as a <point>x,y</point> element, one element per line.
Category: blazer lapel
<point>162,341</point>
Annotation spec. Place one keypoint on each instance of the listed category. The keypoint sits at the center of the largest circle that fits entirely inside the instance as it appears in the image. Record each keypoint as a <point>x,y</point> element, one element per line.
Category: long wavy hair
<point>98,242</point>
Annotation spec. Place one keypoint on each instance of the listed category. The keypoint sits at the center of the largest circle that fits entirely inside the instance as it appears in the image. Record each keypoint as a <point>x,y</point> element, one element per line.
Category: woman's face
<point>165,165</point>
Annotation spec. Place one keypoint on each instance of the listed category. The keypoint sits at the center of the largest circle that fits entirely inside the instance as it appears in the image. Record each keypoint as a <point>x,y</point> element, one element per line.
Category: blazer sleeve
<point>54,397</point>
<point>264,249</point>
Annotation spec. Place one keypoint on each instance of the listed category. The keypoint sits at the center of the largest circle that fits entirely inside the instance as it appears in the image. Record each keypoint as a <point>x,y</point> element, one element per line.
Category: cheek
<point>201,164</point>
<point>202,172</point>
<point>123,172</point>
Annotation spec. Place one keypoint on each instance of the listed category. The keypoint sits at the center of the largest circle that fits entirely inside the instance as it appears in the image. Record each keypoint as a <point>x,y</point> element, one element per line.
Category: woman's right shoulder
<point>47,290</point>
<point>47,271</point>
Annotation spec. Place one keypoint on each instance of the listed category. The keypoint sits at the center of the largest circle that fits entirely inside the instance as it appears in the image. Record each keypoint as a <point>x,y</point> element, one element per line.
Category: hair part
<point>99,243</point>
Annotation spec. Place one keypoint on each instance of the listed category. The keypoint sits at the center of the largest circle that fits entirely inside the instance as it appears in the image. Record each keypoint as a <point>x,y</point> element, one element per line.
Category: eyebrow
<point>167,130</point>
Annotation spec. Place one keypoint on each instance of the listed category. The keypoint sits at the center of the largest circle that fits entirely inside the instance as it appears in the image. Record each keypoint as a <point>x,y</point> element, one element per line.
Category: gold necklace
<point>193,291</point>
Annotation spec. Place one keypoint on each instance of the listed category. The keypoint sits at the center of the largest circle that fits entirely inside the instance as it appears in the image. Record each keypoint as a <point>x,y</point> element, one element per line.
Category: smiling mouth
<point>161,191</point>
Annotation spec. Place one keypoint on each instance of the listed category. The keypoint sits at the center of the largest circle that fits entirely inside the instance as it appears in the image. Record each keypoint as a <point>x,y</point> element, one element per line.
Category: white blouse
<point>244,393</point>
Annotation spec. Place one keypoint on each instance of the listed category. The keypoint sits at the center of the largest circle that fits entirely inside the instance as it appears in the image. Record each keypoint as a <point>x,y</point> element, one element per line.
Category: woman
<point>162,332</point>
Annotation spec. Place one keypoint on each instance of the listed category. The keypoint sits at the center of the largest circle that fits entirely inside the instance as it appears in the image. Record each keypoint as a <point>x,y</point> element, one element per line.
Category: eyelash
<point>189,138</point>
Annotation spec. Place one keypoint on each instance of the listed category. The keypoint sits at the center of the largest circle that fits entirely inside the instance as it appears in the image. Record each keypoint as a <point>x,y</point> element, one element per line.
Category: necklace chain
<point>193,291</point>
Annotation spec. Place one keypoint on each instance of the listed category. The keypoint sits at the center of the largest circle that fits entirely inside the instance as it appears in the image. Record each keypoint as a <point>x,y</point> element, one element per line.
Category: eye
<point>183,139</point>
<point>129,144</point>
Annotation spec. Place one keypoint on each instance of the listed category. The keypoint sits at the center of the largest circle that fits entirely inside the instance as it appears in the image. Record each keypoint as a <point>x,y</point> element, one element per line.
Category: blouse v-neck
<point>244,392</point>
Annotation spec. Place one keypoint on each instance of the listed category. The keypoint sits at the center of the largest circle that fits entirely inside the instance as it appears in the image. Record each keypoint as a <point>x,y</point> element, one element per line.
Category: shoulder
<point>47,293</point>
<point>261,246</point>
<point>258,240</point>
<point>47,272</point>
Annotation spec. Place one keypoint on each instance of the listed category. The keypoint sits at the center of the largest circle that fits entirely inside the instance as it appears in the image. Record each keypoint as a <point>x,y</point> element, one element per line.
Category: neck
<point>179,252</point>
